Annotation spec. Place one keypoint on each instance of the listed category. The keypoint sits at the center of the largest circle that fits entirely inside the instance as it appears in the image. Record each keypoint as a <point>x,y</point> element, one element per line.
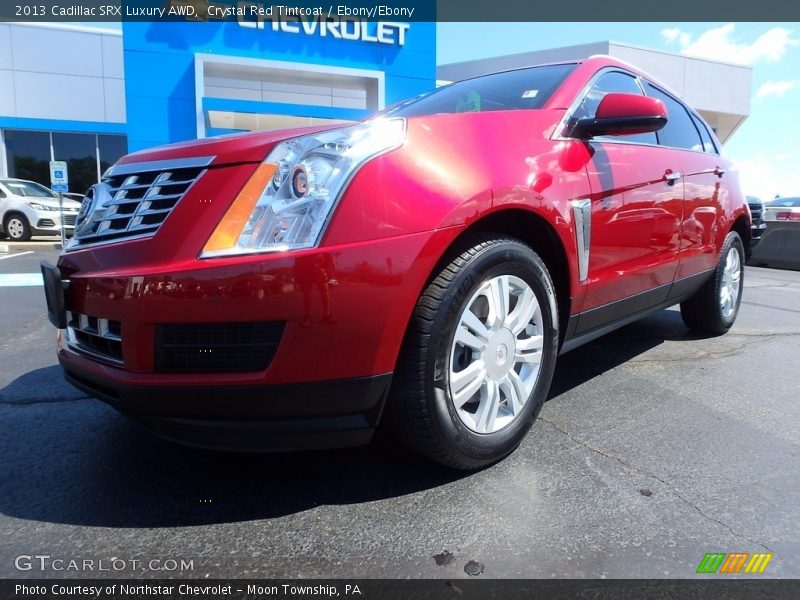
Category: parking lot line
<point>17,254</point>
<point>20,279</point>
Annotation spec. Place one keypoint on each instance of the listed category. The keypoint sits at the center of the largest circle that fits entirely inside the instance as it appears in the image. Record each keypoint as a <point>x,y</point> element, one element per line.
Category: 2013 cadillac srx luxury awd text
<point>422,269</point>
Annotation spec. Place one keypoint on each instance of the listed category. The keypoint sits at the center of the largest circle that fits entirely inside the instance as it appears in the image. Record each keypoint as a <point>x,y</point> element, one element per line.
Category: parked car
<point>758,225</point>
<point>783,209</point>
<point>422,269</point>
<point>73,196</point>
<point>28,208</point>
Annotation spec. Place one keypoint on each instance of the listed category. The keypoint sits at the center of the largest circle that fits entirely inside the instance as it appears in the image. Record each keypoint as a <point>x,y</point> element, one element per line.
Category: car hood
<point>225,149</point>
<point>254,146</point>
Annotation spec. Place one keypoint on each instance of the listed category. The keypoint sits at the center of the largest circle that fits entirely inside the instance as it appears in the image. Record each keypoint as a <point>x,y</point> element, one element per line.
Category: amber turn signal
<point>230,227</point>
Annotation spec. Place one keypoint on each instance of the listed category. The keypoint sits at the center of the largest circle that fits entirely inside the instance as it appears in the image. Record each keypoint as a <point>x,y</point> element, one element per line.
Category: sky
<point>765,148</point>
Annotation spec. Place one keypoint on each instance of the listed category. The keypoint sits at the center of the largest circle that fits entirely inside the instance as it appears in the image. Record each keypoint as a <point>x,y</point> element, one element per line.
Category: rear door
<point>703,173</point>
<point>636,208</point>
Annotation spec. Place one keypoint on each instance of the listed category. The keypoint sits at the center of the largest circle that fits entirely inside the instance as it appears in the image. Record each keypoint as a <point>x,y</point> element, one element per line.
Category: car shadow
<point>605,353</point>
<point>77,461</point>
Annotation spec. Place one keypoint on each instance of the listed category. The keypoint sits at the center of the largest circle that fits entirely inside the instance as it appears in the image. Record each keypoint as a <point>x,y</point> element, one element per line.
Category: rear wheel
<point>17,227</point>
<point>714,306</point>
<point>479,356</point>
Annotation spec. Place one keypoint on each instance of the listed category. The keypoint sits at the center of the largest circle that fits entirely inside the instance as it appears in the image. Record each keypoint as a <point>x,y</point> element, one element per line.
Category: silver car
<point>28,208</point>
<point>782,209</point>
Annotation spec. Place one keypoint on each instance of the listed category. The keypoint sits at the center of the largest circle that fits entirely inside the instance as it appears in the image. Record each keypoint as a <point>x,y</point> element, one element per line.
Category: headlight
<point>37,206</point>
<point>287,202</point>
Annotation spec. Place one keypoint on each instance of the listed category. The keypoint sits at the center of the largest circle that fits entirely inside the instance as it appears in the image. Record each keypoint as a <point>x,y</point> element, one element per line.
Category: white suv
<point>28,208</point>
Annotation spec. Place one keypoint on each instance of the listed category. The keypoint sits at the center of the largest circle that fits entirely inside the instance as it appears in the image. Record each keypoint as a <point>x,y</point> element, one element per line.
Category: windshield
<point>521,89</point>
<point>28,188</point>
<point>785,202</point>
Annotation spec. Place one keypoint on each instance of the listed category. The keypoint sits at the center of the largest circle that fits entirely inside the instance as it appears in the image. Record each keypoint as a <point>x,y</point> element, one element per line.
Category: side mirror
<point>623,114</point>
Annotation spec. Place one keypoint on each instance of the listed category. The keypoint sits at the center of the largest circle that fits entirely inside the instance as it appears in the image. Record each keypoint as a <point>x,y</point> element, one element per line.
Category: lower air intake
<point>216,347</point>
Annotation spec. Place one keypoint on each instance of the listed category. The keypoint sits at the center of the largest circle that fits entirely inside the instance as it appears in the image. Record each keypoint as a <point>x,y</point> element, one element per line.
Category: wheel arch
<point>532,230</point>
<point>10,213</point>
<point>741,225</point>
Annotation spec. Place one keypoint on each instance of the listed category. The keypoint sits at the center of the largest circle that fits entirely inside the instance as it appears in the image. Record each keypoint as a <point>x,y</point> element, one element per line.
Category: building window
<point>112,148</point>
<point>248,94</point>
<point>87,155</point>
<point>78,150</point>
<point>28,155</point>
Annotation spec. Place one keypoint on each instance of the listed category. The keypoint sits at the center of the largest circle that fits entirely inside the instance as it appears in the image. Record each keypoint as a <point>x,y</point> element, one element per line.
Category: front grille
<point>69,220</point>
<point>96,337</point>
<point>135,199</point>
<point>213,347</point>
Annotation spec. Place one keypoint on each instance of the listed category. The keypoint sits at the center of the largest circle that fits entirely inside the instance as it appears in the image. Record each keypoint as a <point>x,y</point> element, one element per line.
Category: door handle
<point>671,176</point>
<point>719,171</point>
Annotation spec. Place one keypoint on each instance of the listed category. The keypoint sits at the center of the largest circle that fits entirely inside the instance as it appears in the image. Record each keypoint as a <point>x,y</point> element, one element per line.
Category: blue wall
<point>159,67</point>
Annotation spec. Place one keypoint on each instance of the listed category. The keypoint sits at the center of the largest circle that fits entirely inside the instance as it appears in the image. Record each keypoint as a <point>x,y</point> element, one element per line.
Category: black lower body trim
<point>587,326</point>
<point>327,414</point>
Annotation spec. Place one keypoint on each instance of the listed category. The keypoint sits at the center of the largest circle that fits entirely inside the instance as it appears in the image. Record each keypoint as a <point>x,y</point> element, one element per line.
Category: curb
<point>6,247</point>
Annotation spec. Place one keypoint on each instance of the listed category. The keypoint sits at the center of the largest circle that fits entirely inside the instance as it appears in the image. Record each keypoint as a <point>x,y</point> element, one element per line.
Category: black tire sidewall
<point>502,258</point>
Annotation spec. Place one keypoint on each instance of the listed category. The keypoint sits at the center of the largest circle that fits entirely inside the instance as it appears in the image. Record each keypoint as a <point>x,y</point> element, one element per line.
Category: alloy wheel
<point>496,354</point>
<point>15,228</point>
<point>731,282</point>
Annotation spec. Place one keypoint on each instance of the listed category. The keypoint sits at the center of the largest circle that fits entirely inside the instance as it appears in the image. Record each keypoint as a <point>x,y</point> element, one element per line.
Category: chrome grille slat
<point>95,337</point>
<point>82,324</point>
<point>155,182</point>
<point>151,211</point>
<point>140,227</point>
<point>131,195</point>
<point>133,186</point>
<point>127,201</point>
<point>162,197</point>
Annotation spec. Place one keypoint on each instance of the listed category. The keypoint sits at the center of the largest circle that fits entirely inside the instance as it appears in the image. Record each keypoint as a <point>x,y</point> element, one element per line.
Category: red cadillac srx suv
<point>422,269</point>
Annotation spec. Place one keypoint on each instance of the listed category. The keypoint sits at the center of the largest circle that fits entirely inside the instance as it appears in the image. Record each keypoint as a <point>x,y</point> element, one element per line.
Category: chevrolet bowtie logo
<point>734,562</point>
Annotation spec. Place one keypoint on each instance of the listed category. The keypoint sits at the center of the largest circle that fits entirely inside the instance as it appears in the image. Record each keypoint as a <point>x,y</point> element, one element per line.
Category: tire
<point>17,228</point>
<point>428,410</point>
<point>714,307</point>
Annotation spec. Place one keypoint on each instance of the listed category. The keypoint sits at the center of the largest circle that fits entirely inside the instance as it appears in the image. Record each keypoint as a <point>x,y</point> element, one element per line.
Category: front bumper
<point>343,311</point>
<point>49,223</point>
<point>330,414</point>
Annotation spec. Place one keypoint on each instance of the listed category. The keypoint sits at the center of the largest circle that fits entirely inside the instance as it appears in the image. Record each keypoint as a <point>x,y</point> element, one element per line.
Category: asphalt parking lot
<point>655,447</point>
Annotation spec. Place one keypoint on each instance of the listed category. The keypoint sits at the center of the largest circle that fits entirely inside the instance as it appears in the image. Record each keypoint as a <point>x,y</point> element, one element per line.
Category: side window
<point>680,131</point>
<point>2,194</point>
<point>708,143</point>
<point>616,82</point>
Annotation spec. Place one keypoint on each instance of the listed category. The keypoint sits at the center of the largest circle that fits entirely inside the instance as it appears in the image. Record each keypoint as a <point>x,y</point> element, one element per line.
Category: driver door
<point>636,209</point>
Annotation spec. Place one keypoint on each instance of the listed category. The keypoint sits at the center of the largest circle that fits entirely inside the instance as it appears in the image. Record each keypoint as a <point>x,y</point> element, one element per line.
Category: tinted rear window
<point>522,89</point>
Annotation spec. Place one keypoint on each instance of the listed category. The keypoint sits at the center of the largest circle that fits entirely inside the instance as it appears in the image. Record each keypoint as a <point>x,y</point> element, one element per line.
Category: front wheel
<point>714,307</point>
<point>479,356</point>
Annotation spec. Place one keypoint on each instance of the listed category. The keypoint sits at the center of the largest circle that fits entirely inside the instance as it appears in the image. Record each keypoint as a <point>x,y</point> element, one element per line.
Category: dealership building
<point>88,95</point>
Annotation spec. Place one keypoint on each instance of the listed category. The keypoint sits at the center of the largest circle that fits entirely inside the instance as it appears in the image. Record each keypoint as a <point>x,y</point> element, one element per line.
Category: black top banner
<point>401,10</point>
<point>376,589</point>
